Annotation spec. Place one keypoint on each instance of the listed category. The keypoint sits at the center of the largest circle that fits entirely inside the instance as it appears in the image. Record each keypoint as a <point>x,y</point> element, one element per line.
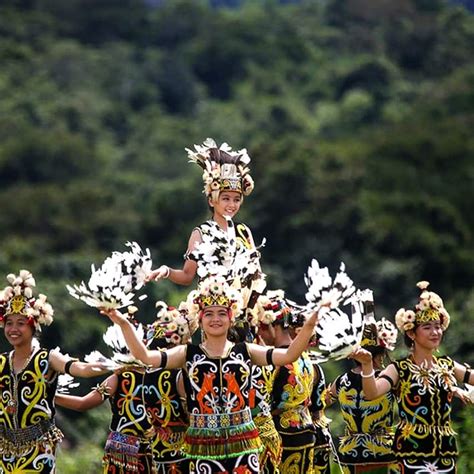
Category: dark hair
<point>292,320</point>
<point>408,340</point>
<point>240,331</point>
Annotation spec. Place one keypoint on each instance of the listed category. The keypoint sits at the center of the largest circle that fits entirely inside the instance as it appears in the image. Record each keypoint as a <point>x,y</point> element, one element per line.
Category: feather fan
<point>114,284</point>
<point>339,330</point>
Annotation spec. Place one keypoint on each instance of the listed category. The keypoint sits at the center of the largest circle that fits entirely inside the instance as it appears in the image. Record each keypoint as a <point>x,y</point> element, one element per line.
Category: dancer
<point>226,182</point>
<point>166,395</point>
<point>297,405</point>
<point>148,419</point>
<point>222,437</point>
<point>28,380</point>
<point>261,389</point>
<point>424,384</point>
<point>366,445</point>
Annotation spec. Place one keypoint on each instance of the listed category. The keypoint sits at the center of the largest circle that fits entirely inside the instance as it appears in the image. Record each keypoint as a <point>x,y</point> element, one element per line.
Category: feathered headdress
<point>430,307</point>
<point>18,298</point>
<point>274,308</point>
<point>382,333</point>
<point>223,169</point>
<point>114,284</point>
<point>173,325</point>
<point>214,291</point>
<point>339,330</point>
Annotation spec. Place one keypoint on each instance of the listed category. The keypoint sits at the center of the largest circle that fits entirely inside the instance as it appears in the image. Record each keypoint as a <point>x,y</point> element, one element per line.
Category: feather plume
<point>114,284</point>
<point>339,330</point>
<point>65,383</point>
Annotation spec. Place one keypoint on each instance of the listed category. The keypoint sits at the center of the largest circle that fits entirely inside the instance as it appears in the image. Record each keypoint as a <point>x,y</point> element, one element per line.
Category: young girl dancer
<point>28,381</point>
<point>424,384</point>
<point>222,437</point>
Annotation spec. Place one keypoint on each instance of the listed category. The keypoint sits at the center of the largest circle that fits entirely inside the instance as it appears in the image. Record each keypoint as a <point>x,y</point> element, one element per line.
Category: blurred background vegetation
<point>358,116</point>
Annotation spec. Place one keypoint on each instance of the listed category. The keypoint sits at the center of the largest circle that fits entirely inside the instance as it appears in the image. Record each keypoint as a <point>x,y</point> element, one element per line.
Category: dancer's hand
<point>321,309</point>
<point>313,318</point>
<point>463,395</point>
<point>361,355</point>
<point>114,315</point>
<point>159,274</point>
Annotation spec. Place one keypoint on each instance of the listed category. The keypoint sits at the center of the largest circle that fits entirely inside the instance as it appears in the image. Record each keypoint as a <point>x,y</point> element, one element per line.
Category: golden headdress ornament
<point>430,307</point>
<point>18,298</point>
<point>214,291</point>
<point>223,169</point>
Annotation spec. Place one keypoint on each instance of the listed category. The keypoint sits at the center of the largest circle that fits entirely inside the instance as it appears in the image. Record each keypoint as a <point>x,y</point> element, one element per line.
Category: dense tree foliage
<point>358,115</point>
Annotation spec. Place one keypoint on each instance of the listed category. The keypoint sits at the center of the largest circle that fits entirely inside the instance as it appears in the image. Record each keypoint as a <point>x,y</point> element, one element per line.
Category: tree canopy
<point>358,116</point>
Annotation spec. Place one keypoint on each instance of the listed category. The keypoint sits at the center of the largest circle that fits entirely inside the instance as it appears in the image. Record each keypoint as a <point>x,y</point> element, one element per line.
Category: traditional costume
<point>366,445</point>
<point>294,387</point>
<point>148,418</point>
<point>163,400</point>
<point>222,436</point>
<point>28,434</point>
<point>424,437</point>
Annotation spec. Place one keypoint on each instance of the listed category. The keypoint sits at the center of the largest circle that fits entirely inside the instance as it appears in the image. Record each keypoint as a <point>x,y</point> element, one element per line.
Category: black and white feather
<point>114,284</point>
<point>65,383</point>
<point>339,328</point>
<point>121,356</point>
<point>221,254</point>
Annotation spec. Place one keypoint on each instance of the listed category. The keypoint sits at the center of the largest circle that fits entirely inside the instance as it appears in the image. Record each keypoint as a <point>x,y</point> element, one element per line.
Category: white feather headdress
<point>223,168</point>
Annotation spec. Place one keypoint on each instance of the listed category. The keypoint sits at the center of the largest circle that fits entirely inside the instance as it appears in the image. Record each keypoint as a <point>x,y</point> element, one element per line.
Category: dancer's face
<point>18,330</point>
<point>429,335</point>
<point>227,204</point>
<point>215,320</point>
<point>267,333</point>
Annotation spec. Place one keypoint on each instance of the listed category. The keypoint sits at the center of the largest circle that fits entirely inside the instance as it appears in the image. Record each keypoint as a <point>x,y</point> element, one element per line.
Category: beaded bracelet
<point>364,376</point>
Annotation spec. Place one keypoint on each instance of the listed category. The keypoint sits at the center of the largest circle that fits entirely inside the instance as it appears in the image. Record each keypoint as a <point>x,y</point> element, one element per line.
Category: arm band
<point>102,390</point>
<point>467,376</point>
<point>164,360</point>
<point>67,366</point>
<point>270,357</point>
<point>386,377</point>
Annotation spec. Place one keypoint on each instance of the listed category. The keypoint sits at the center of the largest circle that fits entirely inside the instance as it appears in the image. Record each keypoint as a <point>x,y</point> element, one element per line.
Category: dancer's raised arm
<point>260,354</point>
<point>171,358</point>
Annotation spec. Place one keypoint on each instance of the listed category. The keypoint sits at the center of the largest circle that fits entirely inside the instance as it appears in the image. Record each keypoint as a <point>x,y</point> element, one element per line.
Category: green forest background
<point>358,116</point>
